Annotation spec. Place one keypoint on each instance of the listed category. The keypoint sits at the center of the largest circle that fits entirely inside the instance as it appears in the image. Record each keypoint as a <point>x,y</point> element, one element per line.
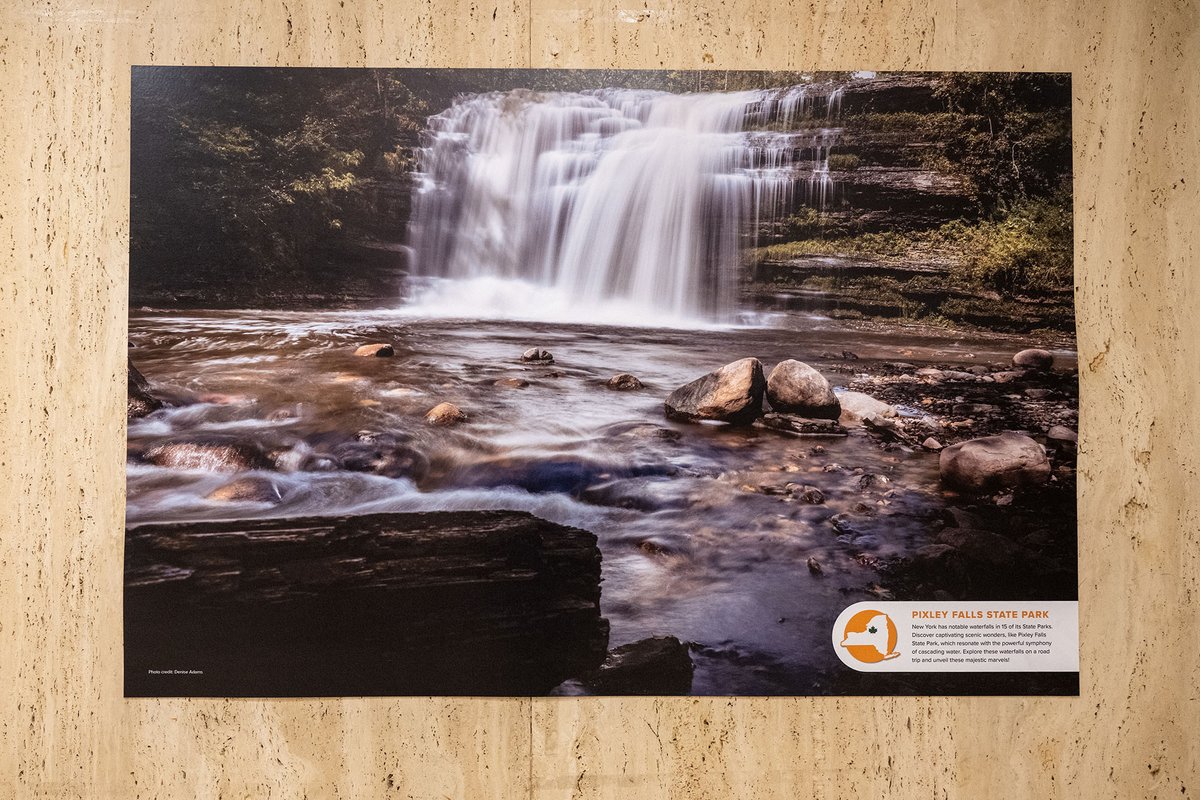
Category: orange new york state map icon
<point>870,637</point>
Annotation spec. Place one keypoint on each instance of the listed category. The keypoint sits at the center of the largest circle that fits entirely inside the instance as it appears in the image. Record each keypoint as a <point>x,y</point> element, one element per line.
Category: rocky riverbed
<point>741,540</point>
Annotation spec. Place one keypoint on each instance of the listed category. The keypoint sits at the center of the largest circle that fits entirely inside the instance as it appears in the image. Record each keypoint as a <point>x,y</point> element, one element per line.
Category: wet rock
<point>931,444</point>
<point>214,456</point>
<point>642,494</point>
<point>383,455</point>
<point>930,374</point>
<point>873,481</point>
<point>732,394</point>
<point>805,493</point>
<point>814,566</point>
<point>445,415</point>
<point>375,351</point>
<point>795,387</point>
<point>248,489</point>
<point>653,548</point>
<point>643,431</point>
<point>857,407</point>
<point>511,383</point>
<point>1005,461</point>
<point>468,602</point>
<point>141,402</point>
<point>1033,358</point>
<point>1006,376</point>
<point>978,370</point>
<point>660,665</point>
<point>624,382</point>
<point>801,425</point>
<point>536,355</point>
<point>1037,394</point>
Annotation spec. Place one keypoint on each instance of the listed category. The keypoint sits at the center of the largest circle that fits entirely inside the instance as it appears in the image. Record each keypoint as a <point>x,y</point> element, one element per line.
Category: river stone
<point>141,402</point>
<point>797,388</point>
<point>1033,358</point>
<point>733,394</point>
<point>1005,461</point>
<point>375,350</point>
<point>249,488</point>
<point>211,456</point>
<point>1062,435</point>
<point>445,414</point>
<point>802,426</point>
<point>857,407</point>
<point>538,356</point>
<point>511,383</point>
<point>805,493</point>
<point>624,382</point>
<point>656,666</point>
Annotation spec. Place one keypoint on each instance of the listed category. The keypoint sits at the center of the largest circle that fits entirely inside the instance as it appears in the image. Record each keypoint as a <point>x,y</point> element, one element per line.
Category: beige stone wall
<point>66,731</point>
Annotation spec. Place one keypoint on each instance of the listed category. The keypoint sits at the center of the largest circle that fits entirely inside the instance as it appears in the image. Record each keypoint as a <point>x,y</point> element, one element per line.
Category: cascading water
<point>638,202</point>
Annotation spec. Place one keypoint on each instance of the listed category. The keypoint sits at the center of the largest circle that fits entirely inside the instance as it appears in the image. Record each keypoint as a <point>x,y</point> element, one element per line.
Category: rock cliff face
<point>882,148</point>
<point>486,602</point>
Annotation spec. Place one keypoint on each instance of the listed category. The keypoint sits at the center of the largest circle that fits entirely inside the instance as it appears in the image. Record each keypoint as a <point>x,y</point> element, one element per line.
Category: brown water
<point>695,542</point>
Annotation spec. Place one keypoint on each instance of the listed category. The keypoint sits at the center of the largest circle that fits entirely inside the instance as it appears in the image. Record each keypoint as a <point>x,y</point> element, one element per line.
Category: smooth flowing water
<point>639,202</point>
<point>696,544</point>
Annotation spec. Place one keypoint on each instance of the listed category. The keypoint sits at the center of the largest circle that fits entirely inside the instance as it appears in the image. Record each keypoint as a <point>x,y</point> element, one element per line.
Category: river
<point>698,539</point>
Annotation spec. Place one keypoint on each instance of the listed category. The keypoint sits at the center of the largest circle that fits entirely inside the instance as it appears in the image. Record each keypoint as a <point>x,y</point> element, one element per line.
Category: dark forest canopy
<point>268,186</point>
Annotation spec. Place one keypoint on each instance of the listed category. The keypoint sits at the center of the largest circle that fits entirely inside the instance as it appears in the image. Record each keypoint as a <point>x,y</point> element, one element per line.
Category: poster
<point>599,382</point>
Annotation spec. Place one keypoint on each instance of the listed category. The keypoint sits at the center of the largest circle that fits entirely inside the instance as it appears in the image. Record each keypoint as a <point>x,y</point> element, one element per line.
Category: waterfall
<point>632,198</point>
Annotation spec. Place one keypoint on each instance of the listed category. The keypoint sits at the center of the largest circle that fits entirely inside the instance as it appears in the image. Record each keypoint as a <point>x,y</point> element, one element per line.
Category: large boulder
<point>1005,461</point>
<point>797,388</point>
<point>733,394</point>
<point>439,603</point>
<point>1033,358</point>
<point>857,407</point>
<point>141,402</point>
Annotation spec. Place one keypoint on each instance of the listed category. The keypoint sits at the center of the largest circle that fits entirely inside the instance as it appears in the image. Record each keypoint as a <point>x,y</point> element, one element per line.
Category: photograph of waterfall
<point>600,382</point>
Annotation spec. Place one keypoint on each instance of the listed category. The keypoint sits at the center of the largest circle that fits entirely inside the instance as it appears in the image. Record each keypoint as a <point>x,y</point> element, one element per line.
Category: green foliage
<point>1008,133</point>
<point>1029,249</point>
<point>260,169</point>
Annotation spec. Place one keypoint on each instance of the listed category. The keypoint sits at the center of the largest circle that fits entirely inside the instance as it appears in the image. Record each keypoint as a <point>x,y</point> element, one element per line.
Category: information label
<point>959,637</point>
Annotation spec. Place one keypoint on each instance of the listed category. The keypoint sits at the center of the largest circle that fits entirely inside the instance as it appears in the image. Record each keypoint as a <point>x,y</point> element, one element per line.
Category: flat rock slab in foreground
<point>476,602</point>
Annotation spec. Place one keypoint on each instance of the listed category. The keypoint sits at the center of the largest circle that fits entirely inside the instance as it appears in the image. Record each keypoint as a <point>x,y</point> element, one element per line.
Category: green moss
<point>844,162</point>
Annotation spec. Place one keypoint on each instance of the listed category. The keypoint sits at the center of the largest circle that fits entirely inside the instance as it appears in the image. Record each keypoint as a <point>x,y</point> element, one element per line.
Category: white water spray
<point>629,202</point>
